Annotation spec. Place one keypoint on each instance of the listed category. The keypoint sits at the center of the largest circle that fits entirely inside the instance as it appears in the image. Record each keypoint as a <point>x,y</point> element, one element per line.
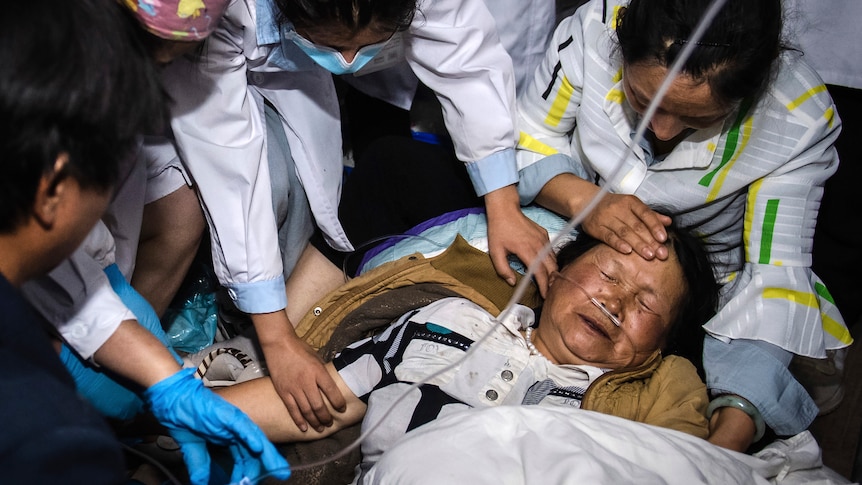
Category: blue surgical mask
<point>329,58</point>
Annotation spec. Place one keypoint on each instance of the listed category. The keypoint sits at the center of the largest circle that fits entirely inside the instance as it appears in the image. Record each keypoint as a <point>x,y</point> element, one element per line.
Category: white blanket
<point>530,445</point>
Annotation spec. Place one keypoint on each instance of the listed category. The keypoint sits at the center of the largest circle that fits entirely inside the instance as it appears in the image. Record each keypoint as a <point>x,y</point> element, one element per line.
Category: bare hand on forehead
<point>626,224</point>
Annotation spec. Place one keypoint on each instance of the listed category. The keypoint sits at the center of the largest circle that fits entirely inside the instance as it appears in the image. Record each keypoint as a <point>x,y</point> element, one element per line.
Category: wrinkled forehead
<point>688,96</point>
<point>662,278</point>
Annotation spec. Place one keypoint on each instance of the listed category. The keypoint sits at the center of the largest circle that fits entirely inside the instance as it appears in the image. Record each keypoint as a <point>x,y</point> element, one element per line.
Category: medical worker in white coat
<point>259,109</point>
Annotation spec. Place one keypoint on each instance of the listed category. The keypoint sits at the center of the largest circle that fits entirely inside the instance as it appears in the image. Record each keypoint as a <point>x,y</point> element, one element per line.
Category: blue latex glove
<point>108,396</point>
<point>195,415</point>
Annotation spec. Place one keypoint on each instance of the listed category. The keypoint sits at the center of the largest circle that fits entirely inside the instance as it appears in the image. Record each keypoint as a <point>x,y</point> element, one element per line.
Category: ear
<point>552,278</point>
<point>50,193</point>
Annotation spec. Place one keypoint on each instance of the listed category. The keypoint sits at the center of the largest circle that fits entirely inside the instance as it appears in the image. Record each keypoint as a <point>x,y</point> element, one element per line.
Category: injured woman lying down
<point>600,342</point>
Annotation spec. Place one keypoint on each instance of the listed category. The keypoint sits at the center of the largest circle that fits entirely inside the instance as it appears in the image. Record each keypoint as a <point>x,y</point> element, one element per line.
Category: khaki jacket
<point>340,318</point>
<point>663,391</point>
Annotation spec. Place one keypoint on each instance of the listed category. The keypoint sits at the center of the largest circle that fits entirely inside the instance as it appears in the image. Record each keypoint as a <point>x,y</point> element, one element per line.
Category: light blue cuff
<point>493,172</point>
<point>259,296</point>
<point>267,27</point>
<point>284,54</point>
<point>532,178</point>
<point>757,371</point>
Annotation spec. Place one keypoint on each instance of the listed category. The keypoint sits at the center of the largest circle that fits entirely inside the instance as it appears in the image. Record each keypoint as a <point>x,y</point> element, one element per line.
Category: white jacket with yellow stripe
<point>751,186</point>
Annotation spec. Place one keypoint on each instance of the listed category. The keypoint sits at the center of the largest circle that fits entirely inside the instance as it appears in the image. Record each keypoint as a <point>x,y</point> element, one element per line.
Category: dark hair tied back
<point>355,15</point>
<point>735,55</point>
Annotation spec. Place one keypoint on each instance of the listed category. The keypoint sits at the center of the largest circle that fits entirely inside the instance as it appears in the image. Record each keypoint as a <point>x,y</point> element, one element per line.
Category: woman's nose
<point>612,302</point>
<point>665,127</point>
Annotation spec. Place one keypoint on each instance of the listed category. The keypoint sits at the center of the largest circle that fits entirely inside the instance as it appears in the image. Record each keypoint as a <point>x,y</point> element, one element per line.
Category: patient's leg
<point>313,278</point>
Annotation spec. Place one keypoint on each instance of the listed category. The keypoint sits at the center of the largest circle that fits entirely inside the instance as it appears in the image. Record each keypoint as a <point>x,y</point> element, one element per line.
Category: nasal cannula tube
<point>604,310</point>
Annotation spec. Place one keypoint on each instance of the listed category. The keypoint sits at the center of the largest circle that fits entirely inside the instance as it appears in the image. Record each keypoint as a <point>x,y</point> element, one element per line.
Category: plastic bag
<point>191,324</point>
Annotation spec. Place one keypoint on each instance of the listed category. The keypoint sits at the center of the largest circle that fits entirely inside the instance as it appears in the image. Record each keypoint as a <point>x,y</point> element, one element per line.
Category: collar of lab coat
<point>267,27</point>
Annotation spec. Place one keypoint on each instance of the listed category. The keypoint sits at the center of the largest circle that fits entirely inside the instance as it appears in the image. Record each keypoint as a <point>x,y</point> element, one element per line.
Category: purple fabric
<point>419,229</point>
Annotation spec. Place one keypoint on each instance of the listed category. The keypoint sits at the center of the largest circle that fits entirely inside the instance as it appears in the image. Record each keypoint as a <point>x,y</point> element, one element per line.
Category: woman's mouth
<point>595,326</point>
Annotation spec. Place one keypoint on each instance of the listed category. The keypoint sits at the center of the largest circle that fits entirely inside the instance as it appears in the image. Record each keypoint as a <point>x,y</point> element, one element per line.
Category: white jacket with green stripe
<point>750,186</point>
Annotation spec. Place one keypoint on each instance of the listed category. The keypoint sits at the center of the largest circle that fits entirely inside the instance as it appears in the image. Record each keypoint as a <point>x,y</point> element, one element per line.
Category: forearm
<point>260,401</point>
<point>732,429</point>
<point>502,201</point>
<point>273,329</point>
<point>567,194</point>
<point>136,354</point>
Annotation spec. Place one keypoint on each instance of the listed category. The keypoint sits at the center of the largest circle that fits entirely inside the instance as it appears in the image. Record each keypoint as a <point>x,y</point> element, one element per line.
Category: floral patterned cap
<point>188,20</point>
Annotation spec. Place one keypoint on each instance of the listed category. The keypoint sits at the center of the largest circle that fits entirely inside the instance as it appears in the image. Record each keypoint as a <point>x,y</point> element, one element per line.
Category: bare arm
<point>136,354</point>
<point>732,429</point>
<point>258,399</point>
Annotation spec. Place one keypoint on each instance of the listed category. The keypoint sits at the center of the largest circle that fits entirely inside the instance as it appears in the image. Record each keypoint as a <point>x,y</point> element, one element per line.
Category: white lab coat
<point>219,127</point>
<point>524,28</point>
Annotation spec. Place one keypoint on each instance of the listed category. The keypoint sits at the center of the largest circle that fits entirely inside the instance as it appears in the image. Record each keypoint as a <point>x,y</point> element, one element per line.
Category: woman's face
<point>688,104</point>
<point>643,295</point>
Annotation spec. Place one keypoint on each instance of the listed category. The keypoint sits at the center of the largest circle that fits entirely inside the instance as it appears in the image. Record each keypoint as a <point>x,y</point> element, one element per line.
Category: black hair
<point>735,55</point>
<point>700,300</point>
<point>355,15</point>
<point>74,80</point>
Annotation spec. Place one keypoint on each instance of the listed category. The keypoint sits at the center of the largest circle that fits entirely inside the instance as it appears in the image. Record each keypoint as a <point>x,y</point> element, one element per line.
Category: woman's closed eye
<point>608,277</point>
<point>647,305</point>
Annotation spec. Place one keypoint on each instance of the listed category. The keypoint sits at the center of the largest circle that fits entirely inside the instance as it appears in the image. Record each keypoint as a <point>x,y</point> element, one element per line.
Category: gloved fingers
<point>274,462</point>
<point>195,456</point>
<point>250,446</point>
<point>258,452</point>
<point>242,429</point>
<point>253,467</point>
<point>196,414</point>
<point>244,465</point>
